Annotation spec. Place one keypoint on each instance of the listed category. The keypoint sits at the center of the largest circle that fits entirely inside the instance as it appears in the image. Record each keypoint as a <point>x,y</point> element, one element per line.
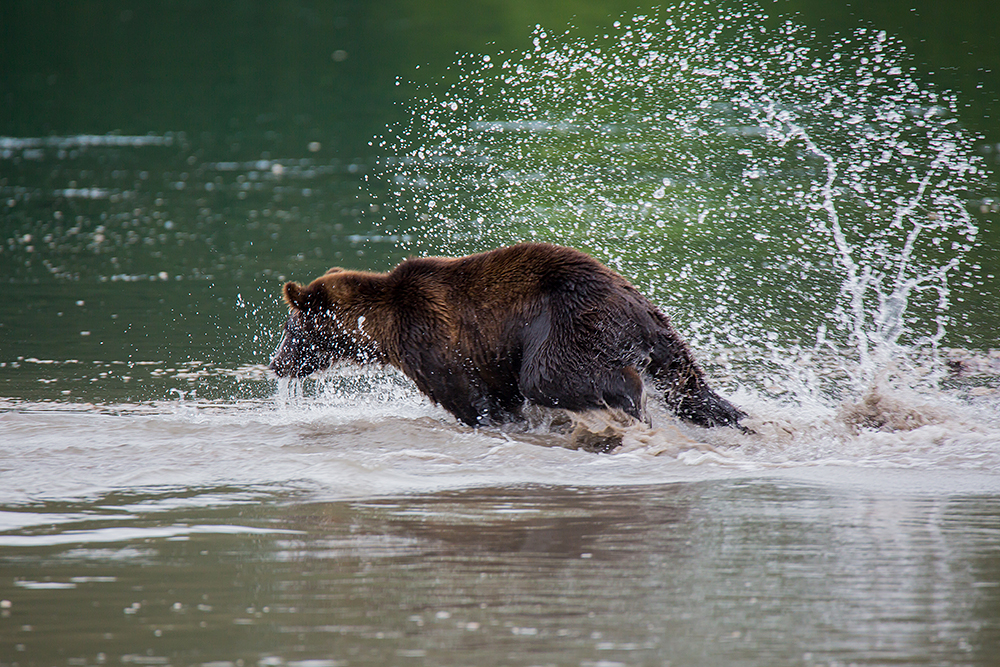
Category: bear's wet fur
<point>483,334</point>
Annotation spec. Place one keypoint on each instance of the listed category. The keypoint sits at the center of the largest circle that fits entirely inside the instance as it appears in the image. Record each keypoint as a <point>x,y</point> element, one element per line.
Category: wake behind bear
<point>485,334</point>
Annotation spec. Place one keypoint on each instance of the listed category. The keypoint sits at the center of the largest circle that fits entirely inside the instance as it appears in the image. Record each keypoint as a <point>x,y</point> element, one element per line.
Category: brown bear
<point>483,334</point>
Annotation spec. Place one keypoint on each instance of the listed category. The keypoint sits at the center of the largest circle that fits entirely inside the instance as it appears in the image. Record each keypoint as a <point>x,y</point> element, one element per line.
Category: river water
<point>814,205</point>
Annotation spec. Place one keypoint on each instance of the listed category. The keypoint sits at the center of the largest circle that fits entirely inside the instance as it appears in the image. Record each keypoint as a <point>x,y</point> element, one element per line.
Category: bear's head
<point>324,325</point>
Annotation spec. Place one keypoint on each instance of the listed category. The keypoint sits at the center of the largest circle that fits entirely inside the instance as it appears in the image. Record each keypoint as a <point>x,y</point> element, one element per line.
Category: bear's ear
<point>296,296</point>
<point>335,269</point>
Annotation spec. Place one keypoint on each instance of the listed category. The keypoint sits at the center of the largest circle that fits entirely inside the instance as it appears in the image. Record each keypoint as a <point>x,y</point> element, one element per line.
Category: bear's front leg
<point>464,394</point>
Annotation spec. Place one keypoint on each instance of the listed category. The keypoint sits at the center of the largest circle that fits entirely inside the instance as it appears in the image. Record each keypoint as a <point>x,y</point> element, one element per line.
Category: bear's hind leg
<point>678,376</point>
<point>617,390</point>
<point>559,369</point>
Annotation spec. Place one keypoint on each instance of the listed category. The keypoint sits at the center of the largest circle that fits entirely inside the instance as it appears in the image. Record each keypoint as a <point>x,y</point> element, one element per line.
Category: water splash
<point>803,204</point>
<point>351,391</point>
<point>289,392</point>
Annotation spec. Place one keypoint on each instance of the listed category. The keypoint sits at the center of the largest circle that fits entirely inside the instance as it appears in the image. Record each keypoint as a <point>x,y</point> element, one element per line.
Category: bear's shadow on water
<point>559,523</point>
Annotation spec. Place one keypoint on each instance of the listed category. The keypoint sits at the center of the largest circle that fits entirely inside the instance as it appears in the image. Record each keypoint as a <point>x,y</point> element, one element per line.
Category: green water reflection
<point>721,573</point>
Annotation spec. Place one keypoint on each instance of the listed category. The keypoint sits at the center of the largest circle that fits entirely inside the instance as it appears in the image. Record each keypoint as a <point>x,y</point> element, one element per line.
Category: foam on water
<point>369,433</point>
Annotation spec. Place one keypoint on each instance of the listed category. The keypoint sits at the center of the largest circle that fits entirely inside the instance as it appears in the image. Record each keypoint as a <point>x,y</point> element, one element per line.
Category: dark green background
<point>240,69</point>
<point>262,74</point>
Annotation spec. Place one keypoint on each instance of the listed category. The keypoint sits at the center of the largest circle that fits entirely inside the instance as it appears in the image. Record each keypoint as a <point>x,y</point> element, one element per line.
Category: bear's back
<point>508,275</point>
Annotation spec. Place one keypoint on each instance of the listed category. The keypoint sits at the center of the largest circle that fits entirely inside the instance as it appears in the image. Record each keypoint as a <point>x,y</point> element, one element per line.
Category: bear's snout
<point>296,357</point>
